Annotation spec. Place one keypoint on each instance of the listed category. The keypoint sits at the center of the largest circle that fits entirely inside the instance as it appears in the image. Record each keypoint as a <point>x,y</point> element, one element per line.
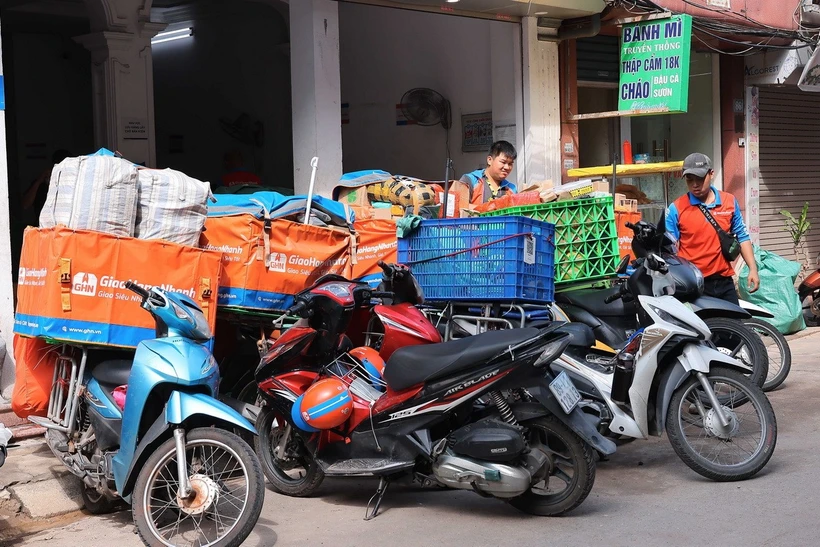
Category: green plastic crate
<point>586,239</point>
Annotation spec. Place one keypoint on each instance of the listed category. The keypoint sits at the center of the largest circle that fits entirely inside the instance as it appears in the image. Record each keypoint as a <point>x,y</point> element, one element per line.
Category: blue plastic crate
<point>489,264</point>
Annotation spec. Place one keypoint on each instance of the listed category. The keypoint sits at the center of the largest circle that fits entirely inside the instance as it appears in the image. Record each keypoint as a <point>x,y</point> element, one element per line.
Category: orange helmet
<point>325,405</point>
<point>371,361</point>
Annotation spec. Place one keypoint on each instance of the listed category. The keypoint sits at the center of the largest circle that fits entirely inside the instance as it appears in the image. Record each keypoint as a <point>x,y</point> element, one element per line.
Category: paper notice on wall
<point>504,132</point>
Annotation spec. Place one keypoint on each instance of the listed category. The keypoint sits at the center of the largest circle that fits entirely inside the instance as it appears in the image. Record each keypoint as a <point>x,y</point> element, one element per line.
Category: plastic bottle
<point>627,152</point>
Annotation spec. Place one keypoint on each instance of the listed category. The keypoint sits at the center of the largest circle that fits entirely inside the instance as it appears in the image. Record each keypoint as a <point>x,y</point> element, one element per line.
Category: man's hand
<point>747,252</point>
<point>753,282</point>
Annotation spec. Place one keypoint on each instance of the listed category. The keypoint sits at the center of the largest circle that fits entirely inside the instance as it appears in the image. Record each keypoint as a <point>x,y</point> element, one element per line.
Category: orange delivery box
<point>377,241</point>
<point>71,284</point>
<point>268,256</point>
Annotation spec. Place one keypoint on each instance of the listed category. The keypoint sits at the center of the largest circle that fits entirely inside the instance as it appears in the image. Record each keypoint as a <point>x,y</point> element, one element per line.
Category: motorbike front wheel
<point>296,473</point>
<point>570,470</point>
<point>722,453</point>
<point>227,492</point>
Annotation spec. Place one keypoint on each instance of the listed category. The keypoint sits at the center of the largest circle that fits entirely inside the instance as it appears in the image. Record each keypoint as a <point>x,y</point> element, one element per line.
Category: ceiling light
<point>452,1</point>
<point>171,35</point>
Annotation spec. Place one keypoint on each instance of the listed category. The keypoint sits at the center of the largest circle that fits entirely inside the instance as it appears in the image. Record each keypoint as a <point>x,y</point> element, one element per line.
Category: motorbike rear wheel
<point>227,482</point>
<point>734,338</point>
<point>733,453</point>
<point>280,472</point>
<point>96,503</point>
<point>571,467</point>
<point>777,347</point>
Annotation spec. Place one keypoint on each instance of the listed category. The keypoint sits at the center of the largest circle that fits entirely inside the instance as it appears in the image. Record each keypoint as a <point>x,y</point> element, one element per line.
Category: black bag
<point>729,245</point>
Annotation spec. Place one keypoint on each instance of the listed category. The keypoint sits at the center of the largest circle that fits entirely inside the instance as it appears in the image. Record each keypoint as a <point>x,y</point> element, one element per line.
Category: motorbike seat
<point>592,300</point>
<point>112,373</point>
<point>580,335</point>
<point>413,365</point>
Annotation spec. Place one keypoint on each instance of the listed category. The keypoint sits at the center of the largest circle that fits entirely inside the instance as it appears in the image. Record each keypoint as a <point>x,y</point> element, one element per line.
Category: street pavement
<point>643,496</point>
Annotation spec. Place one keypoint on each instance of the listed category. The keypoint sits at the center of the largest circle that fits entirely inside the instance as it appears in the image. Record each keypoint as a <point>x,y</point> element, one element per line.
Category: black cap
<point>697,164</point>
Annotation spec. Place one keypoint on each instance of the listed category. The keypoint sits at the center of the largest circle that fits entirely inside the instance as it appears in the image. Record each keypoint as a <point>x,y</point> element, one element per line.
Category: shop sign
<point>775,66</point>
<point>810,79</point>
<point>654,66</point>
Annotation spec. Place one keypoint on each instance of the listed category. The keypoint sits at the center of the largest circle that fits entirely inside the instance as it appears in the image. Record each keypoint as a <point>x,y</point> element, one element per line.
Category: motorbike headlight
<point>669,318</point>
<point>181,313</point>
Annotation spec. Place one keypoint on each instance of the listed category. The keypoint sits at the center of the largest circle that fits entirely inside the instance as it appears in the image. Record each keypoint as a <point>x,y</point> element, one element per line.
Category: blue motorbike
<point>169,448</point>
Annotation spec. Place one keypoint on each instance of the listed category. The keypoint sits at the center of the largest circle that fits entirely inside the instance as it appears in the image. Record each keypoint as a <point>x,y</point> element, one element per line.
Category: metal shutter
<point>789,166</point>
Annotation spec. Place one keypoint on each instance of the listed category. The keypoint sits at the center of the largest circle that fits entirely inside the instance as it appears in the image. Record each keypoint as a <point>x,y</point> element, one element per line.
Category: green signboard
<point>655,65</point>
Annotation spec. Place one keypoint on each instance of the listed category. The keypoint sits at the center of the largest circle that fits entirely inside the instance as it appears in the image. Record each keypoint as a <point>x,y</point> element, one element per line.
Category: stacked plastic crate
<point>507,258</point>
<point>586,241</point>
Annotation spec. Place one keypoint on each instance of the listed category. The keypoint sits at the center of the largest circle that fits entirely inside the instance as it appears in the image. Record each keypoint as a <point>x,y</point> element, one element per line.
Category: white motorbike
<point>669,376</point>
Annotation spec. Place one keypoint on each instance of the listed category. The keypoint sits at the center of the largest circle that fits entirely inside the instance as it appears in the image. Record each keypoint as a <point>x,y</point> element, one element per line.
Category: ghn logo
<point>84,284</point>
<point>278,262</point>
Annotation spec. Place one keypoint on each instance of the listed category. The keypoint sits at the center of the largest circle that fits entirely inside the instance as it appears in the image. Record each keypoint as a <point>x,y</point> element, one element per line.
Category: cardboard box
<point>382,213</point>
<point>541,186</point>
<point>581,188</point>
<point>354,196</point>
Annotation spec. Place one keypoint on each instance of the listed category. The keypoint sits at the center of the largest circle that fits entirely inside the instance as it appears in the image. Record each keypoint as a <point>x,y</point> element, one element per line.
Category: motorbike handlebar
<point>631,226</point>
<point>613,297</point>
<point>133,287</point>
<point>297,309</point>
<point>382,294</point>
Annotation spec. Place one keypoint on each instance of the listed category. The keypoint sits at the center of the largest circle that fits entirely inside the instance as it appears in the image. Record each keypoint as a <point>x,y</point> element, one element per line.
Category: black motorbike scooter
<point>614,320</point>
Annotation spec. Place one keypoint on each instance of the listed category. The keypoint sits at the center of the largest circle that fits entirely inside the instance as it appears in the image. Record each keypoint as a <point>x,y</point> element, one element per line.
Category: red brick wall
<point>732,126</point>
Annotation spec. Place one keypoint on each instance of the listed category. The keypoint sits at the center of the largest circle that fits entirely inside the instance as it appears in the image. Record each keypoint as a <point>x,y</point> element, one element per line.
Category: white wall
<point>237,61</point>
<point>384,53</point>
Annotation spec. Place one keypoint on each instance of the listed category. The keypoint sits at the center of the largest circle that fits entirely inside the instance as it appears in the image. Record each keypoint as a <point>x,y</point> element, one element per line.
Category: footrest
<point>46,423</point>
<point>365,467</point>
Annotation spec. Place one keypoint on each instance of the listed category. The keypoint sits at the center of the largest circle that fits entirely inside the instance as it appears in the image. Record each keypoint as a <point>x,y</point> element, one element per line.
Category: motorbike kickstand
<point>376,500</point>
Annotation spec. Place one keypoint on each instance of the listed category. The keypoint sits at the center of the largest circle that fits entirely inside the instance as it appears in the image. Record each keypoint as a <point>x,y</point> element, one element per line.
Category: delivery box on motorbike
<point>269,255</point>
<point>34,361</point>
<point>71,284</point>
<point>377,241</point>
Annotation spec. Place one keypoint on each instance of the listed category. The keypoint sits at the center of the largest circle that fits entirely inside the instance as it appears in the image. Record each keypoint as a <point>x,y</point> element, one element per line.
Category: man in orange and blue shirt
<point>698,240</point>
<point>491,182</point>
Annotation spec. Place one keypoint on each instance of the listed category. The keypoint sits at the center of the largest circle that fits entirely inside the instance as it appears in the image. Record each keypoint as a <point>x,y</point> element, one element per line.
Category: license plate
<point>565,391</point>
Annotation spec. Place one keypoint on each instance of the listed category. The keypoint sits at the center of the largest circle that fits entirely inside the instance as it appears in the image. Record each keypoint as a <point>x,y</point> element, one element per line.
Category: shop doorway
<point>225,89</point>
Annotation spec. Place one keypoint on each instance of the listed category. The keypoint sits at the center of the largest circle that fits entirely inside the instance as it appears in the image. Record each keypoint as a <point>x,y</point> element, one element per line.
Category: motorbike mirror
<point>661,230</point>
<point>623,265</point>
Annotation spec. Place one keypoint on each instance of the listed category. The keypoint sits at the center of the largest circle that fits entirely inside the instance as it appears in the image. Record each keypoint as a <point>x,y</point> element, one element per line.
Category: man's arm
<point>672,218</point>
<point>746,249</point>
<point>748,254</point>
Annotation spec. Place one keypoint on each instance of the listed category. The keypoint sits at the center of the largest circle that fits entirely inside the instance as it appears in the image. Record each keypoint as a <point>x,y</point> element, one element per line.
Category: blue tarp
<point>277,206</point>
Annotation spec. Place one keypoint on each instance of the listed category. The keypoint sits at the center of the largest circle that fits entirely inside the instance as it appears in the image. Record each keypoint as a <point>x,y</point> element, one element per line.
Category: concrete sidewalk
<point>36,491</point>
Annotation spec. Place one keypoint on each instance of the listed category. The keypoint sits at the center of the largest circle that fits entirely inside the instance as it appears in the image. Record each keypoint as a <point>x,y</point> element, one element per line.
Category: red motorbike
<point>809,293</point>
<point>332,409</point>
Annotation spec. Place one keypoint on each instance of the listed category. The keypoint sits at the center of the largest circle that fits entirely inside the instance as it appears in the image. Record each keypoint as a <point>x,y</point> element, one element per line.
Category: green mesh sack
<point>776,293</point>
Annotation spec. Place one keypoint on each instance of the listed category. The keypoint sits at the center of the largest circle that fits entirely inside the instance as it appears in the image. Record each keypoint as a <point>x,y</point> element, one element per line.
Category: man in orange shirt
<point>491,182</point>
<point>698,240</point>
